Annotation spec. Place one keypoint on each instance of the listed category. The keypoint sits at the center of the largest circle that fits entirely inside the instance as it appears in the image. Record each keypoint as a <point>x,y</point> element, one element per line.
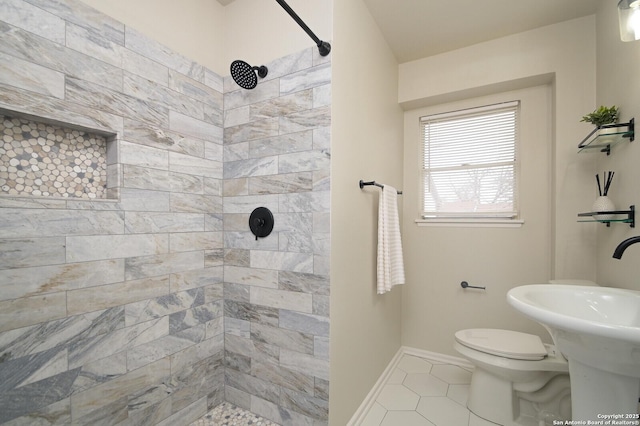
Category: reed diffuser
<point>603,203</point>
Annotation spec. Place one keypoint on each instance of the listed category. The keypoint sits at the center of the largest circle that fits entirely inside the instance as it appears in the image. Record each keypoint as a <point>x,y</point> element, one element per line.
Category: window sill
<point>469,222</point>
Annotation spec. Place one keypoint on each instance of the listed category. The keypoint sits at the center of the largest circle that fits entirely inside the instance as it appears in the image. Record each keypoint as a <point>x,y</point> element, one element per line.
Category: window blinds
<point>469,162</point>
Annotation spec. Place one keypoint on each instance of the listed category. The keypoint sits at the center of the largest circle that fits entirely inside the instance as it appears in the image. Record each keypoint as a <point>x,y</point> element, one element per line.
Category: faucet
<point>617,254</point>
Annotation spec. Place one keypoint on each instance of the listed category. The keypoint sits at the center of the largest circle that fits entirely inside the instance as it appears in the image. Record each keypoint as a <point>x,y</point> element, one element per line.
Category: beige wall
<point>563,56</point>
<point>618,84</point>
<point>256,31</point>
<point>366,144</point>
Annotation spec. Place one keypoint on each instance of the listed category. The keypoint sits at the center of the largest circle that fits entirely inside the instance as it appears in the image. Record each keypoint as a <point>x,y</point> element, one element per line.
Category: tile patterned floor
<point>419,392</point>
<point>227,414</point>
<point>423,392</point>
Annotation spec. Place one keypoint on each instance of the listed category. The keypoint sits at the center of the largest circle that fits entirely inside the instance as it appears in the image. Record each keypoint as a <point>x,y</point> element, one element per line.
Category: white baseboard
<point>371,397</point>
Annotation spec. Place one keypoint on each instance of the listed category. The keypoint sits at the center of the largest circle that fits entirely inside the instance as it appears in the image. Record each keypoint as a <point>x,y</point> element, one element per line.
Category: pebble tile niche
<point>40,159</point>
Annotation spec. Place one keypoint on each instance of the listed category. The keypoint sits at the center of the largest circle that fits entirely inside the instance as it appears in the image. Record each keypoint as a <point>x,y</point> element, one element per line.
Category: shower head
<point>244,74</point>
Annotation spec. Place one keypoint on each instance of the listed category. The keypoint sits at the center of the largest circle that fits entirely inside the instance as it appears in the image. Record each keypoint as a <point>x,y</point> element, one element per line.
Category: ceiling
<point>416,29</point>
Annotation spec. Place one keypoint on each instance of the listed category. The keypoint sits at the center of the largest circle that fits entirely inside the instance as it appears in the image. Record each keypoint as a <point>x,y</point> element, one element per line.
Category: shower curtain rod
<point>323,46</point>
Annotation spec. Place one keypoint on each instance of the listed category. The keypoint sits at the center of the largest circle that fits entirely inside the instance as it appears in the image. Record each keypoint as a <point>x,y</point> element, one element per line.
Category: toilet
<point>517,379</point>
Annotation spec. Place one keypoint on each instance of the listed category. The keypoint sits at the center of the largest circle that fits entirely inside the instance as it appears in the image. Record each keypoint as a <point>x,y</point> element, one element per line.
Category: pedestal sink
<point>598,330</point>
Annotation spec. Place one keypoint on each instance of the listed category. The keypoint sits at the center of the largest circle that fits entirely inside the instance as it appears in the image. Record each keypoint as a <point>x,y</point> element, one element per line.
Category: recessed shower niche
<point>39,158</point>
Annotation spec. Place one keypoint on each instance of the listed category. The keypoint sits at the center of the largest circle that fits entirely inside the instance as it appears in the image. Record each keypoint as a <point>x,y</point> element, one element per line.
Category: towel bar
<point>362,184</point>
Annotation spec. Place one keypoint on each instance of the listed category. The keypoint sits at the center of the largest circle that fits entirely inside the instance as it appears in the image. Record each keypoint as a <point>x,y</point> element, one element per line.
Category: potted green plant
<point>603,115</point>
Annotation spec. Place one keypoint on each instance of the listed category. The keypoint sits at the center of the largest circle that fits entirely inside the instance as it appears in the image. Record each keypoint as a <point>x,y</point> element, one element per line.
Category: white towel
<point>390,263</point>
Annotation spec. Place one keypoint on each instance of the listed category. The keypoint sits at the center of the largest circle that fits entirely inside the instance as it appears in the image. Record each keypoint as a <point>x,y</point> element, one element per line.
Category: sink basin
<point>598,330</point>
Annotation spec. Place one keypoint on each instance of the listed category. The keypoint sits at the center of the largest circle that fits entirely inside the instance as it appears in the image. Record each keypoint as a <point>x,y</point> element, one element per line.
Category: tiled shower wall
<point>277,155</point>
<point>112,311</point>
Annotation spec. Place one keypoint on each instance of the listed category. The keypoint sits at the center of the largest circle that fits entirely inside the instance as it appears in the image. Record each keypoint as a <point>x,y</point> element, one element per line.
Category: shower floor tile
<point>227,414</point>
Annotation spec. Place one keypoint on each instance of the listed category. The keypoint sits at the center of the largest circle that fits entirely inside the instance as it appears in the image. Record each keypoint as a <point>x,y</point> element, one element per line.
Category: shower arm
<point>323,46</point>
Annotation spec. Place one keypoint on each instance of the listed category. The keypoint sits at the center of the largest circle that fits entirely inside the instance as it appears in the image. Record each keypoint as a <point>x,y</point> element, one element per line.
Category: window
<point>469,163</point>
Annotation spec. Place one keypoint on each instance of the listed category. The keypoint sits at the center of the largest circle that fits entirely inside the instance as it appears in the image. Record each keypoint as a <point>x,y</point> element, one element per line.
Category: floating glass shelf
<point>602,138</point>
<point>630,216</point>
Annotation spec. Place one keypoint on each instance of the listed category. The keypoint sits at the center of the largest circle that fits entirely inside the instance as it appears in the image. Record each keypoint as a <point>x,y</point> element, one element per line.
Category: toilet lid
<point>504,343</point>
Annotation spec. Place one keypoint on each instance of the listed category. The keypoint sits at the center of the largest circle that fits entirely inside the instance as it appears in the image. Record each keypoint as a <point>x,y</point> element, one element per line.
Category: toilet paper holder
<point>465,284</point>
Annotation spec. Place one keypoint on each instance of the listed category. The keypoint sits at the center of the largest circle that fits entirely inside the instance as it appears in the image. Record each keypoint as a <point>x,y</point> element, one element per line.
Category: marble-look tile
<point>281,299</point>
<point>107,296</point>
<point>240,97</point>
<point>282,105</point>
<point>236,257</point>
<point>148,222</point>
<point>139,65</point>
<point>303,282</point>
<point>322,96</point>
<point>236,151</point>
<point>251,276</point>
<point>310,406</point>
<point>150,91</point>
<point>142,133</point>
<point>252,385</point>
<point>189,241</point>
<point>213,186</point>
<point>281,144</point>
<point>33,19</point>
<point>214,327</point>
<point>90,248</point>
<point>244,204</point>
<point>188,414</point>
<point>36,396</point>
<point>236,116</point>
<point>305,79</point>
<point>195,203</point>
<point>303,322</point>
<point>181,163</point>
<point>101,371</point>
<point>193,127</point>
<point>33,368</point>
<point>148,266</point>
<point>145,46</point>
<point>236,292</point>
<point>305,120</point>
<point>90,42</point>
<point>322,138</point>
<point>304,161</point>
<point>86,402</point>
<point>281,183</point>
<point>195,278</point>
<point>281,415</point>
<point>258,129</point>
<point>303,363</point>
<point>194,89</point>
<point>144,200</point>
<point>28,76</point>
<point>23,282</point>
<point>273,373</point>
<point>84,15</point>
<point>290,64</point>
<point>240,328</point>
<point>251,167</point>
<point>105,345</point>
<point>250,312</point>
<point>24,223</point>
<point>283,261</point>
<point>143,156</point>
<point>56,414</point>
<point>34,104</point>
<point>146,310</point>
<point>164,346</point>
<point>305,202</point>
<point>213,258</point>
<point>91,95</point>
<point>28,252</point>
<point>203,350</point>
<point>321,347</point>
<point>193,317</point>
<point>283,338</point>
<point>59,333</point>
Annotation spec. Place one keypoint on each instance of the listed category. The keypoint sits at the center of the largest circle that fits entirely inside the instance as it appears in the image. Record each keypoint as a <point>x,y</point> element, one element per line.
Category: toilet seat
<point>504,343</point>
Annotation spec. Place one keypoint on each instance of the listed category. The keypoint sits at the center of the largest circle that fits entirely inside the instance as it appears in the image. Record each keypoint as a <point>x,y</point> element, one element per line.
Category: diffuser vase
<point>603,204</point>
